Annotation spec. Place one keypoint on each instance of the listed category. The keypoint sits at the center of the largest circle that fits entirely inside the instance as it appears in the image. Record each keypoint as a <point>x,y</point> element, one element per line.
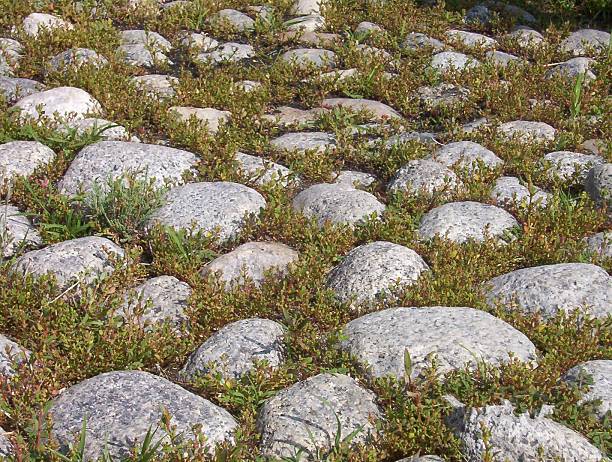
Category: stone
<point>237,20</point>
<point>550,289</point>
<point>454,336</point>
<point>428,458</point>
<point>251,262</point>
<point>157,301</point>
<point>263,12</point>
<point>229,52</point>
<point>218,207</point>
<point>373,270</point>
<point>83,260</point>
<point>310,38</point>
<point>596,376</point>
<point>378,111</point>
<point>526,131</point>
<point>304,141</point>
<point>569,167</point>
<point>518,437</point>
<point>261,171</point>
<point>452,60</point>
<point>598,184</point>
<point>120,407</point>
<point>199,42</point>
<point>11,52</point>
<point>470,39</point>
<point>106,130</point>
<point>157,85</point>
<point>286,116</point>
<point>337,204</point>
<point>585,41</point>
<point>357,180</point>
<point>466,155</point>
<point>444,94</point>
<point>308,23</point>
<point>305,7</point>
<point>375,53</point>
<point>75,58</point>
<point>337,76</point>
<point>307,417</point>
<point>594,146</point>
<point>141,55</point>
<point>235,350</point>
<point>248,86</point>
<point>35,23</point>
<point>408,137</point>
<point>516,12</point>
<point>572,68</point>
<point>525,37</point>
<point>16,231</point>
<point>6,446</point>
<point>416,41</point>
<point>475,125</point>
<point>600,244</point>
<point>13,88</point>
<point>65,103</point>
<point>110,160</point>
<point>423,176</point>
<point>478,14</point>
<point>210,117</point>
<point>150,39</point>
<point>306,57</point>
<point>508,191</point>
<point>368,28</point>
<point>501,59</point>
<point>22,158</point>
<point>463,221</point>
<point>11,354</point>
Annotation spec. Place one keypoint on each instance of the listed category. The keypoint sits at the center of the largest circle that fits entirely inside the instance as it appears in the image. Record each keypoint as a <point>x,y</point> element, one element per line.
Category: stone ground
<point>327,230</point>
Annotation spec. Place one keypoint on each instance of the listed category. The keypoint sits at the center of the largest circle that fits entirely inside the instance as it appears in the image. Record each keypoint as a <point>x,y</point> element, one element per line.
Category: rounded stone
<point>150,39</point>
<point>550,289</point>
<point>227,52</point>
<point>583,41</point>
<point>140,54</point>
<point>261,171</point>
<point>308,417</point>
<point>527,131</point>
<point>64,102</point>
<point>200,42</point>
<point>157,85</point>
<point>11,354</point>
<point>423,176</point>
<point>82,260</point>
<point>6,446</point>
<point>455,336</point>
<point>525,37</point>
<point>286,116</point>
<point>452,60</point>
<point>236,19</point>
<point>304,57</point>
<point>35,23</point>
<point>353,179</point>
<point>121,407</point>
<point>598,184</point>
<point>76,57</point>
<point>235,350</point>
<point>307,23</point>
<point>369,271</point>
<point>14,88</point>
<point>110,160</point>
<point>567,165</point>
<point>444,94</point>
<point>596,376</point>
<point>470,39</point>
<point>212,118</point>
<point>416,41</point>
<point>337,204</point>
<point>501,59</point>
<point>466,155</point>
<point>367,28</point>
<point>251,262</point>
<point>379,111</point>
<point>572,68</point>
<point>428,458</point>
<point>600,244</point>
<point>304,7</point>
<point>462,221</point>
<point>16,231</point>
<point>105,129</point>
<point>304,141</point>
<point>509,191</point>
<point>22,158</point>
<point>218,207</point>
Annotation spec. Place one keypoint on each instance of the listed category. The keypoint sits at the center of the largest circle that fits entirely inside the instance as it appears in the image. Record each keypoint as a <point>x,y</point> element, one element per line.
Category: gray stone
<point>516,12</point>
<point>462,221</point>
<point>199,42</point>
<point>444,94</point>
<point>572,68</point>
<point>82,260</point>
<point>526,131</point>
<point>551,289</point>
<point>416,41</point>
<point>379,111</point>
<point>11,52</point>
<point>422,176</point>
<point>99,162</point>
<point>452,60</point>
<point>21,158</point>
<point>234,350</point>
<point>150,39</point>
<point>121,407</point>
<point>305,57</point>
<point>370,52</point>
<point>368,28</point>
<point>428,458</point>
<point>304,7</point>
<point>159,300</point>
<point>509,191</point>
<point>478,14</point>
<point>308,23</point>
<point>337,204</point>
<point>261,171</point>
<point>470,39</point>
<point>67,103</point>
<point>157,85</point>
<point>475,125</point>
<point>139,54</point>
<point>584,41</point>
<point>11,354</point>
<point>369,271</point>
<point>304,141</point>
<point>501,59</point>
<point>466,155</point>
<point>357,180</point>
<point>76,57</point>
<point>567,166</point>
<point>235,19</point>
<point>308,416</point>
<point>407,137</point>
<point>105,129</point>
<point>16,231</point>
<point>251,262</point>
<point>227,52</point>
<point>211,117</point>
<point>597,377</point>
<point>600,244</point>
<point>35,23</point>
<point>6,446</point>
<point>218,207</point>
<point>286,116</point>
<point>450,337</point>
<point>598,184</point>
<point>525,37</point>
<point>594,146</point>
<point>13,88</point>
<point>518,437</point>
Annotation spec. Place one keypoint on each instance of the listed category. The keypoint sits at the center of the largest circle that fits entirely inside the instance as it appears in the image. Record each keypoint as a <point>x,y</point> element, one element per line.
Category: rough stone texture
<point>451,60</point>
<point>550,289</point>
<point>21,158</point>
<point>157,85</point>
<point>305,57</point>
<point>525,37</point>
<point>307,23</point>
<point>305,416</point>
<point>304,7</point>
<point>598,184</point>
<point>428,458</point>
<point>213,118</point>
<point>366,27</point>
<point>596,376</point>
<point>218,207</point>
<point>444,94</point>
<point>406,137</point>
<point>455,335</point>
<point>10,54</point>
<point>518,437</point>
<point>286,116</point>
<point>14,88</point>
<point>501,59</point>
<point>227,52</point>
<point>310,38</point>
<point>99,162</point>
<point>234,350</point>
<point>107,130</point>
<point>422,176</point>
<point>251,262</point>
<point>66,102</point>
<point>475,125</point>
<point>572,68</point>
<point>151,39</point>
<point>461,221</point>
<point>6,447</point>
<point>337,204</point>
<point>159,300</point>
<point>470,39</point>
<point>371,270</point>
<point>76,57</point>
<point>199,42</point>
<point>237,20</point>
<point>16,231</point>
<point>139,54</point>
<point>527,131</point>
<point>121,407</point>
<point>378,110</point>
<point>593,146</point>
<point>416,41</point>
<point>567,165</point>
<point>10,354</point>
<point>583,41</point>
<point>261,171</point>
<point>508,191</point>
<point>357,180</point>
<point>466,155</point>
<point>85,259</point>
<point>304,141</point>
<point>35,23</point>
<point>600,243</point>
<point>247,86</point>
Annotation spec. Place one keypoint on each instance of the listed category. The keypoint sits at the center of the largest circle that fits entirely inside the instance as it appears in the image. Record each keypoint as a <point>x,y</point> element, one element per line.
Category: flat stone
<point>501,59</point>
<point>452,60</point>
<point>416,41</point>
<point>428,458</point>
<point>234,350</point>
<point>17,231</point>
<point>217,207</point>
<point>369,271</point>
<point>509,191</point>
<point>67,103</point>
<point>121,407</point>
<point>444,94</point>
<point>357,180</point>
<point>99,162</point>
<point>261,171</point>
<point>140,54</point>
<point>367,28</point>
<point>598,184</point>
<point>157,85</point>
<point>600,244</point>
<point>75,58</point>
<point>596,376</point>
<point>572,68</point>
<point>462,221</point>
<point>82,260</point>
<point>408,137</point>
<point>470,39</point>
<point>337,204</point>
<point>286,116</point>
<point>379,111</point>
<point>251,262</point>
<point>455,336</point>
<point>22,158</point>
<point>35,23</point>
<point>305,57</point>
<point>229,52</point>
<point>567,166</point>
<point>584,41</point>
<point>527,131</point>
<point>310,38</point>
<point>304,7</point>
<point>159,300</point>
<point>11,354</point>
<point>308,23</point>
<point>6,446</point>
<point>150,39</point>
<point>423,176</point>
<point>199,42</point>
<point>525,37</point>
<point>550,289</point>
<point>211,117</point>
<point>304,141</point>
<point>235,19</point>
<point>13,88</point>
<point>466,155</point>
<point>308,416</point>
<point>106,130</point>
<point>518,437</point>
